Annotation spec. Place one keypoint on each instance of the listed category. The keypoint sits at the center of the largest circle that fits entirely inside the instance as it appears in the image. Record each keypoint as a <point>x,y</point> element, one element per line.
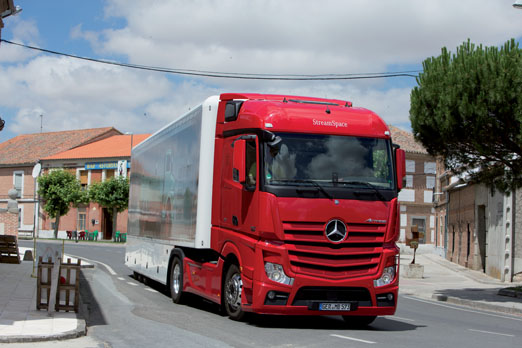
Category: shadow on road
<point>284,322</point>
<point>90,310</point>
<point>326,323</point>
<point>479,294</point>
<point>189,299</point>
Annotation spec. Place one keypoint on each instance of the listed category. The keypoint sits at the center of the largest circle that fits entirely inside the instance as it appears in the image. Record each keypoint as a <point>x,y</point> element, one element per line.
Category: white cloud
<point>74,94</point>
<point>23,32</point>
<point>302,36</point>
<point>92,37</point>
<point>255,36</point>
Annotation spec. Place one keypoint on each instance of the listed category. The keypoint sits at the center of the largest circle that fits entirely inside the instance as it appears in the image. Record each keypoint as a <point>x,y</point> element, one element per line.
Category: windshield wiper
<point>316,184</point>
<point>367,184</point>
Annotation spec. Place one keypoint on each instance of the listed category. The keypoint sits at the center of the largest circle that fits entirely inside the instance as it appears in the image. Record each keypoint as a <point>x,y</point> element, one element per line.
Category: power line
<point>226,75</point>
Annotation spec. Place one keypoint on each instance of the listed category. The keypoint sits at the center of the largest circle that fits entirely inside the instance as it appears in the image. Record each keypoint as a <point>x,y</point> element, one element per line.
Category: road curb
<point>81,330</point>
<point>476,305</point>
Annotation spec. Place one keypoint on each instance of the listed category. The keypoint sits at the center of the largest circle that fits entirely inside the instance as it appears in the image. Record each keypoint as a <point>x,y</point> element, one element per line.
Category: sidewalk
<point>448,282</point>
<point>20,321</point>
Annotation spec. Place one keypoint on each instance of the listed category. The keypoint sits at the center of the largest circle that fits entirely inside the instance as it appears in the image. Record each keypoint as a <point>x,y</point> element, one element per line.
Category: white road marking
<point>398,318</point>
<point>121,278</point>
<point>151,290</point>
<point>462,309</point>
<point>111,271</point>
<point>353,339</point>
<point>492,333</point>
<point>131,283</point>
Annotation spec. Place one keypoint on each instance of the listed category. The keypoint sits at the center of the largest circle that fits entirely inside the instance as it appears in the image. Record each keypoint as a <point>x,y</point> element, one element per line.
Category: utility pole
<point>41,122</point>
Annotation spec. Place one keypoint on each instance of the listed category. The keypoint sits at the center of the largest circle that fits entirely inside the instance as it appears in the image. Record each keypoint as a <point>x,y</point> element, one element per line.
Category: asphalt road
<point>123,312</point>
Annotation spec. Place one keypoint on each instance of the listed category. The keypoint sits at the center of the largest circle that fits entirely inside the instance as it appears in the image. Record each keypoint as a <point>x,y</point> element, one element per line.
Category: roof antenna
<point>284,100</point>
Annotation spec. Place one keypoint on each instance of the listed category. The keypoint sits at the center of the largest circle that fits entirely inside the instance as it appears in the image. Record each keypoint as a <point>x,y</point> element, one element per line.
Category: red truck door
<point>239,203</point>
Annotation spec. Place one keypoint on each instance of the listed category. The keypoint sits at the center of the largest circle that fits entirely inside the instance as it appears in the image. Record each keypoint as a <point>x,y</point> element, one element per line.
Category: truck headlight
<point>387,277</point>
<point>276,273</point>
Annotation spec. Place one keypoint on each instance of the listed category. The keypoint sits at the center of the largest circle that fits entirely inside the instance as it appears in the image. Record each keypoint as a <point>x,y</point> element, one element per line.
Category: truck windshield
<point>329,161</point>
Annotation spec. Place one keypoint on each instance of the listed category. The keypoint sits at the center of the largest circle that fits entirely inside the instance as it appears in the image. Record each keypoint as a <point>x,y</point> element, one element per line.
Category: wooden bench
<point>9,249</point>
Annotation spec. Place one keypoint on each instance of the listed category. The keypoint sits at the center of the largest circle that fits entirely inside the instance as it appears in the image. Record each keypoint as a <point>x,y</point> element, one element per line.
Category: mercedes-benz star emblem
<point>336,231</point>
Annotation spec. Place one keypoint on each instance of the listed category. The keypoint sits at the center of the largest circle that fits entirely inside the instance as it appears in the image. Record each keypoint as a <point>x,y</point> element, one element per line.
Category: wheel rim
<point>175,278</point>
<point>233,292</point>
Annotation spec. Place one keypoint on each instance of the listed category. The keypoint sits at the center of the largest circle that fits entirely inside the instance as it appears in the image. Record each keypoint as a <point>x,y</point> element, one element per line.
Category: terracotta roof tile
<point>29,148</point>
<point>406,140</point>
<point>114,146</point>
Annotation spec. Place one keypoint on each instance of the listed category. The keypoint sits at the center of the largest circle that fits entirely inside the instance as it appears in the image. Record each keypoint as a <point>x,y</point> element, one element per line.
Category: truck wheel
<point>358,321</point>
<point>233,289</point>
<point>176,280</point>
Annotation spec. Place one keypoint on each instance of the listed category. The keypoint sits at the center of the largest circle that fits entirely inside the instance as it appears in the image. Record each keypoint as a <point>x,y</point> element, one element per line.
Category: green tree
<point>59,190</point>
<point>467,108</point>
<point>112,194</point>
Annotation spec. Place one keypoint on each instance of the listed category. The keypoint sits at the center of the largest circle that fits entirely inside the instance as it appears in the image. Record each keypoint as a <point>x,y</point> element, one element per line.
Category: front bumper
<point>306,295</point>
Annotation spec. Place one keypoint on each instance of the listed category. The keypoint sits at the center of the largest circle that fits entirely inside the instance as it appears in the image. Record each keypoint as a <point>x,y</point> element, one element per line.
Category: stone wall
<point>461,226</point>
<point>9,223</point>
<point>517,236</point>
<point>9,215</point>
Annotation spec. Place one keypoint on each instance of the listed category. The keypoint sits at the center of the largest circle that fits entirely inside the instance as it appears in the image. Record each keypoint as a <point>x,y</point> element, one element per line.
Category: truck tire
<point>176,280</point>
<point>233,288</point>
<point>358,321</point>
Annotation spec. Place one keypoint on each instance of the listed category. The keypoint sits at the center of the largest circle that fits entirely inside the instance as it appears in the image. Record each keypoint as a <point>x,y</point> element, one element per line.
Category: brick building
<point>94,162</point>
<point>416,198</point>
<point>19,155</point>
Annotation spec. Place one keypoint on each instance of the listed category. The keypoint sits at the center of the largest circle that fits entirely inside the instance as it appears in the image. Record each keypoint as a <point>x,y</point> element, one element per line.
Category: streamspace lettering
<point>329,123</point>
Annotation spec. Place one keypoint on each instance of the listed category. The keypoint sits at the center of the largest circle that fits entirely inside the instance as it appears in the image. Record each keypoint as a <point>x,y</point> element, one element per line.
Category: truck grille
<point>305,296</point>
<point>311,253</point>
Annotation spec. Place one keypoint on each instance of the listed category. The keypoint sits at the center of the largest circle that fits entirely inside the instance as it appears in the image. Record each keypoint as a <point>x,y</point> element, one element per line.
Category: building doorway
<point>481,235</point>
<point>107,224</point>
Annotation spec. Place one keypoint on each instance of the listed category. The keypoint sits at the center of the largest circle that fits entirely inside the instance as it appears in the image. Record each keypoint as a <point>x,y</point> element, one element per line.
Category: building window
<point>82,218</point>
<point>407,195</point>
<point>430,168</point>
<point>109,174</point>
<point>18,183</point>
<point>84,178</point>
<point>428,196</point>
<point>410,166</point>
<point>430,182</point>
<point>409,180</point>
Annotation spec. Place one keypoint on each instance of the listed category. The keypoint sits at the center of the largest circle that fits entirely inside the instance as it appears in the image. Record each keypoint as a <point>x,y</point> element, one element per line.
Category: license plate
<point>334,306</point>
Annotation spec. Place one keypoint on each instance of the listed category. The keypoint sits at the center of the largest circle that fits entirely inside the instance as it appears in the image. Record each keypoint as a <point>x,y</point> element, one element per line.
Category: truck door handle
<point>235,221</point>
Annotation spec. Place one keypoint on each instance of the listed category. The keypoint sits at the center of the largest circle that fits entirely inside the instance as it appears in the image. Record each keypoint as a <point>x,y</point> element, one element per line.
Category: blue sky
<point>255,36</point>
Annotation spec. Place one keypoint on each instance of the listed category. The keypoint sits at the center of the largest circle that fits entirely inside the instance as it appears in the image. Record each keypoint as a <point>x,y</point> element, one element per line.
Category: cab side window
<point>251,165</point>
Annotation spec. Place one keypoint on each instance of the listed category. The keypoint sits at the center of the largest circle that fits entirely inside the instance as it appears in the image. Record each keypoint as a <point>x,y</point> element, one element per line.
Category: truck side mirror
<point>232,110</point>
<point>239,162</point>
<point>400,164</point>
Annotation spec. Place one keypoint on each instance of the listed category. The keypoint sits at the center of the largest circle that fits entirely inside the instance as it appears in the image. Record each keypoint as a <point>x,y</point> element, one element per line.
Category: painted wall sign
<point>103,165</point>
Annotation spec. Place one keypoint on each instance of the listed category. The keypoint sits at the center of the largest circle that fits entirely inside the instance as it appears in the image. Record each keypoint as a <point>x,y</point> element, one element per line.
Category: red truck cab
<point>304,209</point>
